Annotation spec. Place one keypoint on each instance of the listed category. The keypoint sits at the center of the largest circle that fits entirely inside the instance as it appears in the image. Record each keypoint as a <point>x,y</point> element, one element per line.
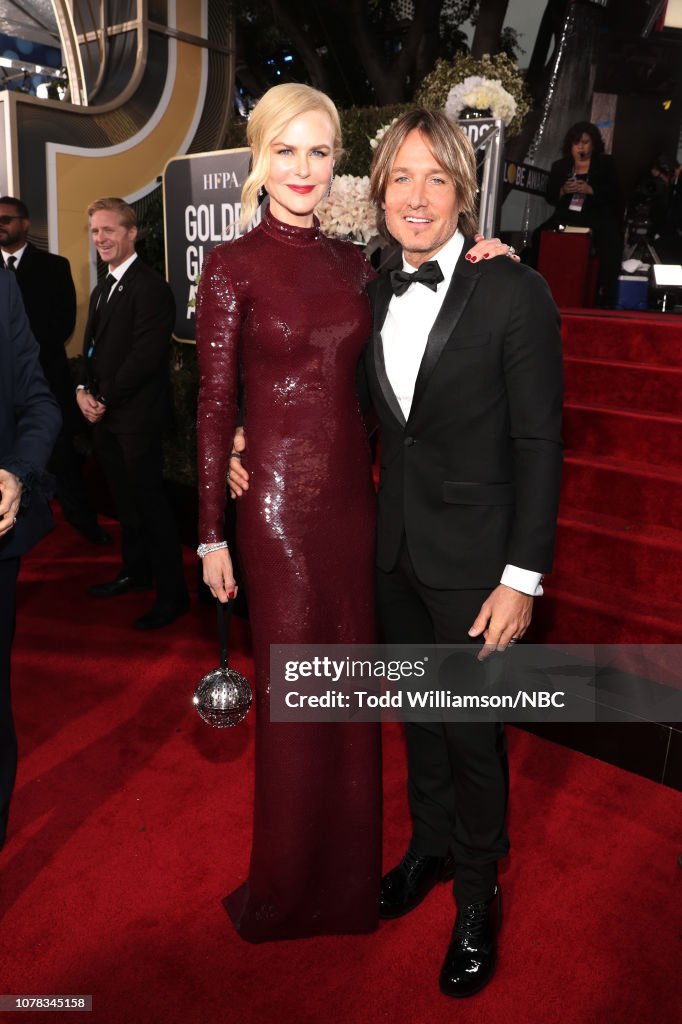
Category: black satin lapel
<point>383,296</point>
<point>462,285</point>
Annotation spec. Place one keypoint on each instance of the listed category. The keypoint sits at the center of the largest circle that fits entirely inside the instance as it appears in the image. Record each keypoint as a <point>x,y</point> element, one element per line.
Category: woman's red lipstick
<point>301,189</point>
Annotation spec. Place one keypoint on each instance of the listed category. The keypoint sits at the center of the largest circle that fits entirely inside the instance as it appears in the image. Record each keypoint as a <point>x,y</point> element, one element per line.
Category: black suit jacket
<point>29,420</point>
<point>129,364</point>
<point>472,478</point>
<point>50,300</point>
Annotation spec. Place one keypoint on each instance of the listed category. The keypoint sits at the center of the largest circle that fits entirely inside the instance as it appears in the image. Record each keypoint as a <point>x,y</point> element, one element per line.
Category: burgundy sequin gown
<point>283,310</point>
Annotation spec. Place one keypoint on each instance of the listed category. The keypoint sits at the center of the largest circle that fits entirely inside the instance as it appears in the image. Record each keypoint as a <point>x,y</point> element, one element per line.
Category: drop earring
<point>329,188</point>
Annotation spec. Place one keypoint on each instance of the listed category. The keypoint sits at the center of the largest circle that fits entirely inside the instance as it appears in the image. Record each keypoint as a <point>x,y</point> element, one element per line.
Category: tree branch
<point>491,17</point>
<point>305,48</point>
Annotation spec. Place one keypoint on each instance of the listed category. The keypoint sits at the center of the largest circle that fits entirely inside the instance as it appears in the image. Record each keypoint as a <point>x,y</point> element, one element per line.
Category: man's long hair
<point>451,149</point>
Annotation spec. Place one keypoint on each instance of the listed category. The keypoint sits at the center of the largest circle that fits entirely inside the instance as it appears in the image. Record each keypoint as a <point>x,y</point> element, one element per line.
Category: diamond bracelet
<point>206,549</point>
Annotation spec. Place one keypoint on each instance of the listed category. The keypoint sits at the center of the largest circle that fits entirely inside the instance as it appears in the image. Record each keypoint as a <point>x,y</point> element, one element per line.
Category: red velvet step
<point>652,496</point>
<point>621,385</point>
<point>575,610</point>
<point>655,339</point>
<point>619,434</point>
<point>597,546</point>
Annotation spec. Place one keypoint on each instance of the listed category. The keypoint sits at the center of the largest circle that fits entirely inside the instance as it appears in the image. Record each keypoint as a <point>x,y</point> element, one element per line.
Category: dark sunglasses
<point>5,219</point>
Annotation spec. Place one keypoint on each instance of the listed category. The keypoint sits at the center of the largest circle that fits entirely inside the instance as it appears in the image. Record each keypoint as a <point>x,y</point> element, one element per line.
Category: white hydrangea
<point>381,132</point>
<point>481,94</point>
<point>348,211</point>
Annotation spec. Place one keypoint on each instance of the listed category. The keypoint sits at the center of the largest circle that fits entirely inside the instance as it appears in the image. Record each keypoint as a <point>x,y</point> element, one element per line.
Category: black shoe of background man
<point>472,954</point>
<point>121,585</point>
<point>162,615</point>
<point>404,888</point>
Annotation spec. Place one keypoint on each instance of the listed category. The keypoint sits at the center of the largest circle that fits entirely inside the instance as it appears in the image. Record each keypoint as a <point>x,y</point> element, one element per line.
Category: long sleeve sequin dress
<point>283,312</point>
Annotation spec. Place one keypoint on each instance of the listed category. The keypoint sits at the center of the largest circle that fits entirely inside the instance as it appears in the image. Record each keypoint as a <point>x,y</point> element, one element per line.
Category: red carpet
<point>131,821</point>
<point>617,575</point>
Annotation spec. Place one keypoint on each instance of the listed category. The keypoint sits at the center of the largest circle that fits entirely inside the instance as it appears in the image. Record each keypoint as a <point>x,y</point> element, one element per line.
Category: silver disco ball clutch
<point>223,697</point>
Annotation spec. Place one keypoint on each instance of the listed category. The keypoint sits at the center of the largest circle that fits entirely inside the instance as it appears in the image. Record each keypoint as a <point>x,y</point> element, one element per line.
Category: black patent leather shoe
<point>472,954</point>
<point>121,585</point>
<point>161,616</point>
<point>404,888</point>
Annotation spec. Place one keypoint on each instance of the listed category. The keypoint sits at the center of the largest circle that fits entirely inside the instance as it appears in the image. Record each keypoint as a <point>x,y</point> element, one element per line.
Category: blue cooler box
<point>633,292</point>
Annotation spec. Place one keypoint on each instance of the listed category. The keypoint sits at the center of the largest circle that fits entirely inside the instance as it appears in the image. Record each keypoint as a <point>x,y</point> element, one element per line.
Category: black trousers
<point>133,465</point>
<point>9,568</point>
<point>71,492</point>
<point>457,772</point>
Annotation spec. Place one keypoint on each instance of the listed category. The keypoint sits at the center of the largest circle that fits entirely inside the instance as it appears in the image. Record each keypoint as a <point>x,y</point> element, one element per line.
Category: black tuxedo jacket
<point>129,364</point>
<point>472,478</point>
<point>50,300</point>
<point>29,420</point>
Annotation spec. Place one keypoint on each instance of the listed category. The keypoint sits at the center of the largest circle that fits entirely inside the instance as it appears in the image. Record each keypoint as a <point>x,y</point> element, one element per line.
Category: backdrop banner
<point>201,208</point>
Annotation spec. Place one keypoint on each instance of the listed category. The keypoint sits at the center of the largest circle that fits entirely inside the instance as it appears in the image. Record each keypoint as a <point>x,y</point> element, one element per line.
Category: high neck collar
<point>290,233</point>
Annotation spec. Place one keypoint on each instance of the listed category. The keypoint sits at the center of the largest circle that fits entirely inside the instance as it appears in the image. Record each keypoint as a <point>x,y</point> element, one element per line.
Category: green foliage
<point>179,448</point>
<point>359,125</point>
<point>235,136</point>
<point>436,86</point>
<point>151,242</point>
<point>510,43</point>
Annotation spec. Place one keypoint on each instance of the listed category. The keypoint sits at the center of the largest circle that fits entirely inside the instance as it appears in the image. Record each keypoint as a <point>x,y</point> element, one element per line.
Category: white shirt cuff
<point>524,580</point>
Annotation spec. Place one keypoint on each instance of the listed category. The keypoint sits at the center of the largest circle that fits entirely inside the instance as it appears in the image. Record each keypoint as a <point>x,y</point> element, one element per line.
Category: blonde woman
<point>283,311</point>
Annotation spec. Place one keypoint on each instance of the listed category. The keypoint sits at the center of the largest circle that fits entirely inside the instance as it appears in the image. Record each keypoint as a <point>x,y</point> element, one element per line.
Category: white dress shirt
<point>120,271</point>
<point>17,255</point>
<point>406,329</point>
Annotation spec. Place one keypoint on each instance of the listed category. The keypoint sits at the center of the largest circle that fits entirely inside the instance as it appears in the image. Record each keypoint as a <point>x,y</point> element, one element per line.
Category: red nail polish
<point>230,593</point>
<point>485,255</point>
<point>473,258</point>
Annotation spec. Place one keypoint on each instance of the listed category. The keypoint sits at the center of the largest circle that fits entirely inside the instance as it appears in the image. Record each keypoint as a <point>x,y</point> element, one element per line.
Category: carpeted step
<point>655,339</point>
<point>620,434</point>
<point>577,610</point>
<point>623,385</point>
<point>652,495</point>
<point>646,559</point>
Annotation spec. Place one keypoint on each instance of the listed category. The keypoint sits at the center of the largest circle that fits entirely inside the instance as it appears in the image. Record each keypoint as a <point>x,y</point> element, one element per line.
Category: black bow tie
<point>429,274</point>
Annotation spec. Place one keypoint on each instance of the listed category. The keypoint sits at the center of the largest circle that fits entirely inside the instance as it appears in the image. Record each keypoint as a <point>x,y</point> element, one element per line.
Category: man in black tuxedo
<point>464,369</point>
<point>50,302</point>
<point>465,375</point>
<point>29,423</point>
<point>125,394</point>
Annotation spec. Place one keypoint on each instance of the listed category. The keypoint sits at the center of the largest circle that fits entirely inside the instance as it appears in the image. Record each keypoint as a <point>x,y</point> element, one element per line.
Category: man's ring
<point>511,251</point>
<point>14,520</point>
<point>514,640</point>
<point>236,455</point>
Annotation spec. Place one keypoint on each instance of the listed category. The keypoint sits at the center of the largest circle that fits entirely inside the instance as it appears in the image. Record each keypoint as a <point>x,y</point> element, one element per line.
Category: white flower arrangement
<point>381,132</point>
<point>348,212</point>
<point>481,94</point>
